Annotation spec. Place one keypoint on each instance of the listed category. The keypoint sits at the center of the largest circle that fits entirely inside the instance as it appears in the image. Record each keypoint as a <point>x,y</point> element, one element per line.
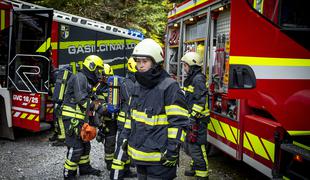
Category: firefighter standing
<point>77,100</point>
<point>159,116</point>
<point>196,97</point>
<point>108,127</point>
<point>121,161</point>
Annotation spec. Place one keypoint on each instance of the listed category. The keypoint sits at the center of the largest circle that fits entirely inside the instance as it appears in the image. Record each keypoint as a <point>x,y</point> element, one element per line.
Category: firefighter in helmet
<point>77,100</point>
<point>121,161</point>
<point>108,126</point>
<point>158,116</point>
<point>196,97</point>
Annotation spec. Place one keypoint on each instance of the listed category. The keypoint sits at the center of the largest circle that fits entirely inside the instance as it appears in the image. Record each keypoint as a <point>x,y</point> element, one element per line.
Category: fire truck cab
<point>24,64</point>
<point>256,59</point>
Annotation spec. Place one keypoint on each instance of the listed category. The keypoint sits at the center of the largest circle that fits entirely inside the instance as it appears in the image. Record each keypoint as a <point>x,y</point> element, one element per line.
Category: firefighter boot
<point>189,173</point>
<point>88,170</point>
<point>69,174</point>
<point>109,164</point>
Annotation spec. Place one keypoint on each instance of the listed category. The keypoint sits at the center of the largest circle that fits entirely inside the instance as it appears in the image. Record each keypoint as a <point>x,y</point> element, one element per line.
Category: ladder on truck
<point>81,21</point>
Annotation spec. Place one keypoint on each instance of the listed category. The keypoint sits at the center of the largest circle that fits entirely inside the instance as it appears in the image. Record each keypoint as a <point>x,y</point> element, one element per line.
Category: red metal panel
<point>54,37</point>
<point>253,35</point>
<point>26,110</point>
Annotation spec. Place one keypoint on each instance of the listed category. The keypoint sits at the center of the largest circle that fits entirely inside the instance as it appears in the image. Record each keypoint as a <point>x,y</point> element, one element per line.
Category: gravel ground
<point>31,156</point>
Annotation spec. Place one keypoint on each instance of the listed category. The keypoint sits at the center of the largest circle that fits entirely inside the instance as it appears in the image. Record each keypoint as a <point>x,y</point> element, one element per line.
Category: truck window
<point>292,17</point>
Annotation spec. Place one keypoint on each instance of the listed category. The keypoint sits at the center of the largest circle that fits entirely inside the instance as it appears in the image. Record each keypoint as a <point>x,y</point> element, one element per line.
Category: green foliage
<point>147,16</point>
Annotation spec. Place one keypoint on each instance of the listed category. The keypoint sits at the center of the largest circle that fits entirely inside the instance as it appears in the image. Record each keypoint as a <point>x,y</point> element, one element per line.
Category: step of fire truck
<point>81,21</point>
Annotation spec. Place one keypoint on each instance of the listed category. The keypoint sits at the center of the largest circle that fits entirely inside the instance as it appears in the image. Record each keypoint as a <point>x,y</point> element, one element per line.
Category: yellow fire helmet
<point>92,62</point>
<point>108,71</point>
<point>131,65</point>
<point>192,58</point>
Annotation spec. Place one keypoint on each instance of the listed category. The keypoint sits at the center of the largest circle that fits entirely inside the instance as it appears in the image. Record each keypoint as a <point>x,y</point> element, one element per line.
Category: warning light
<point>221,8</point>
<point>298,158</point>
<point>175,25</point>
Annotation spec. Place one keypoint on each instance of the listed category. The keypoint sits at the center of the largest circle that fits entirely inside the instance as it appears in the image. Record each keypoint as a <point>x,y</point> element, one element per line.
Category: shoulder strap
<point>165,83</point>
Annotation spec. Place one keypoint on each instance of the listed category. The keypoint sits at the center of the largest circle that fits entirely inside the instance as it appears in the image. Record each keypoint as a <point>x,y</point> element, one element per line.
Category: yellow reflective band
<point>301,145</point>
<point>118,162</point>
<point>84,161</point>
<point>189,89</point>
<point>127,124</point>
<point>84,157</point>
<point>66,166</point>
<point>45,46</point>
<point>2,19</point>
<point>299,133</point>
<point>183,135</point>
<point>120,118</point>
<point>118,66</point>
<point>70,109</point>
<point>24,115</point>
<point>172,133</point>
<point>70,165</point>
<point>109,156</point>
<point>74,115</point>
<point>61,125</point>
<point>266,61</point>
<point>122,113</point>
<point>117,167</point>
<point>144,156</point>
<point>115,91</point>
<point>176,111</point>
<point>153,121</point>
<point>62,87</point>
<point>204,154</point>
<point>201,173</point>
<point>197,108</point>
<point>31,116</point>
<point>228,133</point>
<point>258,147</point>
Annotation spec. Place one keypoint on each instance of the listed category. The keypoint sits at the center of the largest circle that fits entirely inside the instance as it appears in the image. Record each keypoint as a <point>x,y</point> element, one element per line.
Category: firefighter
<point>121,161</point>
<point>77,100</point>
<point>108,127</point>
<point>158,118</point>
<point>196,98</point>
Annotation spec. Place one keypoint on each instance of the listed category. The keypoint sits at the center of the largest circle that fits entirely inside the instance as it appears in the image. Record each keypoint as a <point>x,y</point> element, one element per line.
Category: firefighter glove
<point>170,159</point>
<point>88,132</point>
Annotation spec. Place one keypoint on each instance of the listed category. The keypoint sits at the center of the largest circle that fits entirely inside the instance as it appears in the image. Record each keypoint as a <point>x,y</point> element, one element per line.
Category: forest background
<point>146,16</point>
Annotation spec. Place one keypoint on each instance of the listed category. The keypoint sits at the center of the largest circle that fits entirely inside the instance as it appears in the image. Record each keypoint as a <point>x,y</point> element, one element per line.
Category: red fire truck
<point>257,62</point>
<point>31,32</point>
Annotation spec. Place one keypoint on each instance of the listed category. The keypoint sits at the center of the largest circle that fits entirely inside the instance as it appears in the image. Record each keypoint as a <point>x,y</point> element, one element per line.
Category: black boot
<point>88,170</point>
<point>69,175</point>
<point>59,143</point>
<point>109,164</point>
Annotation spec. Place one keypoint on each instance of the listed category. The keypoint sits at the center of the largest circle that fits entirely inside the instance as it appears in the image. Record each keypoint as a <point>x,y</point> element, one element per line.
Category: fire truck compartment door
<point>29,73</point>
<point>241,77</point>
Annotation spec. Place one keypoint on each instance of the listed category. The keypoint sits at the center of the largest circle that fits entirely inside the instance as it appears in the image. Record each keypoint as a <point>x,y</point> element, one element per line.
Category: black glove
<point>170,159</point>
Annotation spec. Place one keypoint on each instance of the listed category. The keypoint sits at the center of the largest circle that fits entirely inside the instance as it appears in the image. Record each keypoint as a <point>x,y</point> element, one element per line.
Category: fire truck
<point>257,62</point>
<point>34,38</point>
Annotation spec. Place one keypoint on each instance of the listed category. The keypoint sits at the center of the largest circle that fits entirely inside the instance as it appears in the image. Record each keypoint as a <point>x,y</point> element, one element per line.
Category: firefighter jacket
<point>77,96</point>
<point>196,94</point>
<point>159,118</point>
<point>126,90</point>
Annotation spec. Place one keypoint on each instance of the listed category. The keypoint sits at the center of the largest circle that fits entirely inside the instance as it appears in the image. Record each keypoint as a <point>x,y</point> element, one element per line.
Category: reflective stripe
<point>70,165</point>
<point>117,167</point>
<point>183,135</point>
<point>70,109</point>
<point>121,119</point>
<point>160,119</point>
<point>122,113</point>
<point>109,156</point>
<point>84,159</point>
<point>118,162</point>
<point>61,125</point>
<point>301,145</point>
<point>143,156</point>
<point>204,154</point>
<point>176,110</point>
<point>127,124</point>
<point>201,173</point>
<point>172,133</point>
<point>45,46</point>
<point>62,87</point>
<point>197,108</point>
<point>2,19</point>
<point>74,115</point>
<point>101,97</point>
<point>189,88</point>
<point>299,133</point>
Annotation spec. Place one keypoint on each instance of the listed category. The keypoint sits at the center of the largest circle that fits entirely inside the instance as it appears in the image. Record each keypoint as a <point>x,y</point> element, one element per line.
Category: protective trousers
<point>109,142</point>
<point>156,172</point>
<point>197,151</point>
<point>121,162</point>
<point>77,154</point>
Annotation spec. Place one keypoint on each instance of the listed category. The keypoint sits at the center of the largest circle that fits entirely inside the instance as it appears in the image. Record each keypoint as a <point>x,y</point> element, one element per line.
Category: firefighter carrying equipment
<point>192,58</point>
<point>88,132</point>
<point>131,65</point>
<point>149,48</point>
